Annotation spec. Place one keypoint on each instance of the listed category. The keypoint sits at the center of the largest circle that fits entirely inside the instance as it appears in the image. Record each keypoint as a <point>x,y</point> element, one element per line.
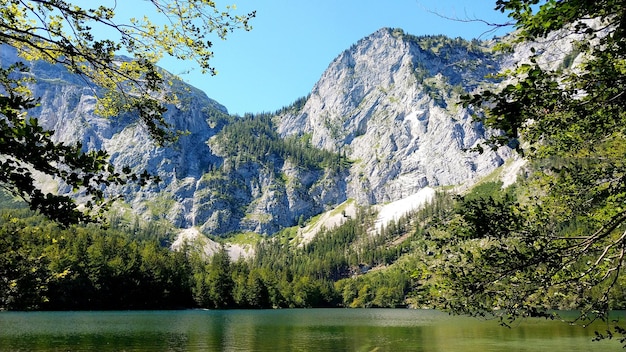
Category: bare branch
<point>467,19</point>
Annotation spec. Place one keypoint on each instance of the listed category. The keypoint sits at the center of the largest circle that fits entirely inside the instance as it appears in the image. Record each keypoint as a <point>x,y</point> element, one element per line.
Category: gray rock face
<point>388,103</point>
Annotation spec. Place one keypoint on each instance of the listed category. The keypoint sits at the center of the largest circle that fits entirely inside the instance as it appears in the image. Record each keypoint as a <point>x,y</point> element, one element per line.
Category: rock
<point>390,103</point>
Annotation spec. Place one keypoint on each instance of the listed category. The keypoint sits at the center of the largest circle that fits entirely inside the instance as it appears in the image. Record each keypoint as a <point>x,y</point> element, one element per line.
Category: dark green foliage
<point>46,267</point>
<point>255,138</point>
<point>347,254</point>
<point>328,256</point>
<point>386,289</point>
<point>213,282</point>
<point>23,275</point>
<point>494,252</point>
<point>563,246</point>
<point>127,267</point>
<point>294,108</point>
<point>556,241</point>
<point>488,211</point>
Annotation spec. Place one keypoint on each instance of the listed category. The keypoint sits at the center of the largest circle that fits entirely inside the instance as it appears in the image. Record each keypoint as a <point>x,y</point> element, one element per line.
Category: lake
<point>286,330</point>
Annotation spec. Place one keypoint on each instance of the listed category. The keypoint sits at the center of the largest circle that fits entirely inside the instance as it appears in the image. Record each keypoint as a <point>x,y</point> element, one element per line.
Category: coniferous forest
<point>130,266</point>
<point>127,266</point>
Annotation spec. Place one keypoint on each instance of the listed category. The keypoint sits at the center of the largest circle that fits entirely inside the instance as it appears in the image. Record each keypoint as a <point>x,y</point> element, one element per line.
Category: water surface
<point>286,330</point>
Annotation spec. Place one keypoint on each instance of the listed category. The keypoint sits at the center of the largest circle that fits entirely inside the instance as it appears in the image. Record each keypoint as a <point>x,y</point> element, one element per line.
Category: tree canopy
<point>565,234</point>
<point>64,33</point>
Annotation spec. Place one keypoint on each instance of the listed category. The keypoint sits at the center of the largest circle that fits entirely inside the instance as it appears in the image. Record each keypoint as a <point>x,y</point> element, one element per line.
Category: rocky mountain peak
<point>390,103</point>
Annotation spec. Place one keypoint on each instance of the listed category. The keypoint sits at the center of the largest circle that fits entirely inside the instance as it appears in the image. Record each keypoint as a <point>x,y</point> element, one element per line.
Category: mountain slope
<point>381,124</point>
<point>390,104</point>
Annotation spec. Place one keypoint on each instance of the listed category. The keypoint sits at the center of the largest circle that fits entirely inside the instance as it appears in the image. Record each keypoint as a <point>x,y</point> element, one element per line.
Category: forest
<point>129,265</point>
<point>48,267</point>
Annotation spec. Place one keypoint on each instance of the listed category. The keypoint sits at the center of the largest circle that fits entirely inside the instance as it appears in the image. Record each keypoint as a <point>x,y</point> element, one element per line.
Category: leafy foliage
<point>46,267</point>
<point>554,241</point>
<point>27,148</point>
<point>566,239</point>
<point>60,32</point>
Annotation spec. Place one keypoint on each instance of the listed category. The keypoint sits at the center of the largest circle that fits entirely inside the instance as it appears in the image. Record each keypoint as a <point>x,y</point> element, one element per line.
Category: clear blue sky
<point>292,42</point>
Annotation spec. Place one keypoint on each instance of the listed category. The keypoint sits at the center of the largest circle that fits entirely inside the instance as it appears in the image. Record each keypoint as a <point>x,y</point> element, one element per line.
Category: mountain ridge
<point>386,108</point>
<point>406,99</point>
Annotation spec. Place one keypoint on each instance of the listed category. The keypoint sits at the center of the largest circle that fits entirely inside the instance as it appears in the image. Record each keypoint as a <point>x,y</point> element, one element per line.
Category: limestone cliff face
<point>201,186</point>
<point>390,103</point>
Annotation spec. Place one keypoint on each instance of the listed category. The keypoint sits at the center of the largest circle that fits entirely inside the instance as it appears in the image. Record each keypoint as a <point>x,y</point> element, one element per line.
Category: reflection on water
<point>285,330</point>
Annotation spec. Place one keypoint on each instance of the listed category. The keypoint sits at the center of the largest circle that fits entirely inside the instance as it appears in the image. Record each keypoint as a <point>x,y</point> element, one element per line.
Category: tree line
<point>44,266</point>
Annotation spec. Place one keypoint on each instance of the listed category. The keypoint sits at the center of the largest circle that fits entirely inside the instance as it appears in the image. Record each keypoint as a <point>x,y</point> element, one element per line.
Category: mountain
<point>390,103</point>
<point>380,124</point>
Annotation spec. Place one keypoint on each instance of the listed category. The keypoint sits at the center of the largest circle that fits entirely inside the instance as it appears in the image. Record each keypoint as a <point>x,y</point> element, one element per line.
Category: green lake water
<point>286,330</point>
